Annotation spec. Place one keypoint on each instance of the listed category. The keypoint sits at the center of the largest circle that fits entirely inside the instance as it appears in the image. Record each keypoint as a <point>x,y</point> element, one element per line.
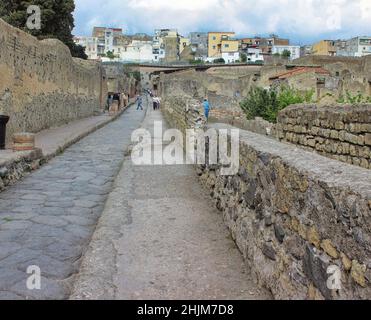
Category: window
<point>214,38</point>
<point>226,45</point>
<point>214,47</point>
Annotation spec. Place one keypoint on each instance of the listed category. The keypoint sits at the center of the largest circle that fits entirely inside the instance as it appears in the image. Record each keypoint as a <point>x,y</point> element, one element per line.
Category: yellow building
<point>216,39</point>
<point>324,48</point>
<point>229,46</point>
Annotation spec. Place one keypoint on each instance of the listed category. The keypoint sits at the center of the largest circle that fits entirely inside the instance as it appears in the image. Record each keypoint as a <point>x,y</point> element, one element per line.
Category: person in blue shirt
<point>206,106</point>
<point>139,102</point>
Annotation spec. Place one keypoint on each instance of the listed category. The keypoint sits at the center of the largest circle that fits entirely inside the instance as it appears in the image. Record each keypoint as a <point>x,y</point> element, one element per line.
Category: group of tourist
<point>120,99</point>
<point>157,103</point>
<point>155,99</point>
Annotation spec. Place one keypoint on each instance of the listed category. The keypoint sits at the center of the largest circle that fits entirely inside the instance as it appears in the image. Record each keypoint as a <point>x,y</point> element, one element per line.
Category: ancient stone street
<point>184,163</point>
<point>160,237</point>
<point>47,219</point>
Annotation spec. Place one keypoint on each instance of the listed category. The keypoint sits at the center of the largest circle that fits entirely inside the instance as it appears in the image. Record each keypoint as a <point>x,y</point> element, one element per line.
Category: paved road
<point>160,237</point>
<point>48,218</point>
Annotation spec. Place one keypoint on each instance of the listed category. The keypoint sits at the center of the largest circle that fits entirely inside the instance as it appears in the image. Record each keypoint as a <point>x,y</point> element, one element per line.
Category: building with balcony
<point>166,44</point>
<point>215,43</point>
<point>355,47</point>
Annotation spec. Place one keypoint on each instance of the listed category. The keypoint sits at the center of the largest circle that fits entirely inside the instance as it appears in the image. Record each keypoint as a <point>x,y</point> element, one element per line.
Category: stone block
<point>23,141</point>
<point>328,247</point>
<point>358,273</point>
<point>368,139</point>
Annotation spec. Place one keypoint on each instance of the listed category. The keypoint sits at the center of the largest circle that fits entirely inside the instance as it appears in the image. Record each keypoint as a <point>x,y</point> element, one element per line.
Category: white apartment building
<point>137,51</point>
<point>254,55</point>
<point>90,44</point>
<point>159,47</point>
<point>231,57</point>
<point>294,50</point>
<point>355,47</point>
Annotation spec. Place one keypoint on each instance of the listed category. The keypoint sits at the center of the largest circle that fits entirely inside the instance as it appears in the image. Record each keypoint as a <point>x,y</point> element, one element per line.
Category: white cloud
<point>298,19</point>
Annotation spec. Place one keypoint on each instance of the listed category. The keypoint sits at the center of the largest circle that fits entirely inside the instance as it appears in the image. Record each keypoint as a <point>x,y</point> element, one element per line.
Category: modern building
<point>109,39</point>
<point>254,55</point>
<point>230,52</point>
<point>264,44</point>
<point>294,51</point>
<point>137,52</point>
<point>324,48</point>
<point>355,47</point>
<point>166,45</point>
<point>306,50</point>
<point>215,43</point>
<point>199,42</point>
<point>90,44</point>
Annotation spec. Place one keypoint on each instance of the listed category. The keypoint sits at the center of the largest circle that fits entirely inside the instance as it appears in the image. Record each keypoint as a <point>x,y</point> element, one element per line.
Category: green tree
<point>286,54</point>
<point>267,103</point>
<point>110,55</point>
<point>243,57</point>
<point>56,20</point>
<point>219,60</point>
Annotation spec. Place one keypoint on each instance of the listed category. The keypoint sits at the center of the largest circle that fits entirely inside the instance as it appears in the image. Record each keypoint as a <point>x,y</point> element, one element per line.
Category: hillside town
<point>168,46</point>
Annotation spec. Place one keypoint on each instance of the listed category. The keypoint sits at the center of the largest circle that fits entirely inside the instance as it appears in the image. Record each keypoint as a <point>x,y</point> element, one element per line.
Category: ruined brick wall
<point>340,132</point>
<point>294,214</point>
<point>225,87</point>
<point>41,85</point>
<point>183,112</point>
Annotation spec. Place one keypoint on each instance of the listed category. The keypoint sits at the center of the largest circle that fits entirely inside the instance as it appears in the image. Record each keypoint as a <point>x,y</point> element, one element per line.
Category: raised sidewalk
<point>49,143</point>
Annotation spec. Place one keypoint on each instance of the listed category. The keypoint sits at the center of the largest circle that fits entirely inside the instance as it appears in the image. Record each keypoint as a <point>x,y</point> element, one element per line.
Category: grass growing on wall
<point>353,99</point>
<point>266,103</point>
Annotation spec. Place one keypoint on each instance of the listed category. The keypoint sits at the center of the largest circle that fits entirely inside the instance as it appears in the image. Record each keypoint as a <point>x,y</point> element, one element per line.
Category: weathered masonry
<point>41,85</point>
<point>339,132</point>
<point>294,214</point>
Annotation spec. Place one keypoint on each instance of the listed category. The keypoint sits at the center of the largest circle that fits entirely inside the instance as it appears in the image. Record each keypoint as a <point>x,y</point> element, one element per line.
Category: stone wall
<point>41,85</point>
<point>351,74</point>
<point>293,214</point>
<point>120,79</point>
<point>225,87</point>
<point>183,112</point>
<point>340,132</point>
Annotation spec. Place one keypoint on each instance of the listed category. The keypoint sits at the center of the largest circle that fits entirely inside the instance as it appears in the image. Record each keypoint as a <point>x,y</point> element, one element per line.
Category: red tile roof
<point>299,70</point>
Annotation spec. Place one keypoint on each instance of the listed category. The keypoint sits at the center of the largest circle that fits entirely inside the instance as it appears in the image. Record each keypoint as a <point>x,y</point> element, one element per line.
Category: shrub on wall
<point>267,103</point>
<point>353,99</point>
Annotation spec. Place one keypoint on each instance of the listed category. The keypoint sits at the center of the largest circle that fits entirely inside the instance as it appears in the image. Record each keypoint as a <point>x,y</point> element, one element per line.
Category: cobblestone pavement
<point>48,218</point>
<point>160,237</point>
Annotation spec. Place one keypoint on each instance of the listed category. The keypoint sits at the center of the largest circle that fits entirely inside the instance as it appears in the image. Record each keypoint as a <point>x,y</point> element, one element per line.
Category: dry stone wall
<point>41,85</point>
<point>294,214</point>
<point>340,132</point>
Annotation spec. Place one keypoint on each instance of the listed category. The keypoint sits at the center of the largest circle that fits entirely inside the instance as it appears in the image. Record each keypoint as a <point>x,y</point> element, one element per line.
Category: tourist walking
<point>139,102</point>
<point>156,103</point>
<point>206,106</point>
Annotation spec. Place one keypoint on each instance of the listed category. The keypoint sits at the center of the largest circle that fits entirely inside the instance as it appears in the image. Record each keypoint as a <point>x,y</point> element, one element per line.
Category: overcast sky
<point>303,21</point>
